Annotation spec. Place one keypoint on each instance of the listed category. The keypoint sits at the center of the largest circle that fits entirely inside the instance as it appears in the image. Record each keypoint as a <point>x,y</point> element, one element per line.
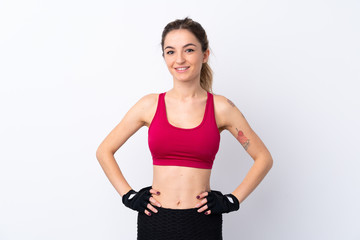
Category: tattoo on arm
<point>240,135</point>
<point>231,103</point>
<point>242,139</point>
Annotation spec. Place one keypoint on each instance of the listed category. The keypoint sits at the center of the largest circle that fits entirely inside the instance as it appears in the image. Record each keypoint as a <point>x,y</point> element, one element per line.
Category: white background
<point>70,70</point>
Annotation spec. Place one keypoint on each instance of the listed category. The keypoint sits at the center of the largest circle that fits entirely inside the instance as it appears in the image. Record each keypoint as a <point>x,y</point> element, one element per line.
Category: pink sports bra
<point>191,147</point>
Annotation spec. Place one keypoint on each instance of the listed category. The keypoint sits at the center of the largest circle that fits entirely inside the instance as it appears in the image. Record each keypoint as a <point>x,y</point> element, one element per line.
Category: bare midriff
<point>179,186</point>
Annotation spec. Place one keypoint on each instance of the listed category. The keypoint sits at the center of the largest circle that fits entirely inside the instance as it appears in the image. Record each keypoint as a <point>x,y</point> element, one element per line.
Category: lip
<point>181,71</point>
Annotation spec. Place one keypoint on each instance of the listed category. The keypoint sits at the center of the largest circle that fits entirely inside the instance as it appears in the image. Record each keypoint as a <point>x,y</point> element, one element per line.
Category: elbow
<point>269,161</point>
<point>266,161</point>
<point>100,153</point>
<point>104,153</point>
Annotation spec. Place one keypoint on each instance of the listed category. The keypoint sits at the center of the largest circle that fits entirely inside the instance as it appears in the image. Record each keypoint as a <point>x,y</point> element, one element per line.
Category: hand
<point>140,201</point>
<point>216,202</point>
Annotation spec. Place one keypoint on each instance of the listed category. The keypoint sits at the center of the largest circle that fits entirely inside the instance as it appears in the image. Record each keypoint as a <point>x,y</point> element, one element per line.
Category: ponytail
<point>206,77</point>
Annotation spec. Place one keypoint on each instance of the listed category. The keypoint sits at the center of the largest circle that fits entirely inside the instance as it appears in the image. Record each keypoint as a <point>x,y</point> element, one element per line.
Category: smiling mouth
<point>182,69</point>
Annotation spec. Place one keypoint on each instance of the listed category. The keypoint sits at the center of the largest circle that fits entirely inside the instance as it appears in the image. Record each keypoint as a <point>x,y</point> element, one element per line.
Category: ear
<point>206,55</point>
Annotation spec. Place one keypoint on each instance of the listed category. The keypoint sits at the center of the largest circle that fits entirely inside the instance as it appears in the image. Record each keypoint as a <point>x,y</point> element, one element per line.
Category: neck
<point>185,90</point>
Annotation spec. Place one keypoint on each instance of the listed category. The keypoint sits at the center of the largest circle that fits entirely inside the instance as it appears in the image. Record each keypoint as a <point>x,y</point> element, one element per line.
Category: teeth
<point>182,68</point>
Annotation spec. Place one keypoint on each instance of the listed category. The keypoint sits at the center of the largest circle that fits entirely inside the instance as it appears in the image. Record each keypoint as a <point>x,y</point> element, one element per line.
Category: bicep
<point>129,124</point>
<point>239,127</point>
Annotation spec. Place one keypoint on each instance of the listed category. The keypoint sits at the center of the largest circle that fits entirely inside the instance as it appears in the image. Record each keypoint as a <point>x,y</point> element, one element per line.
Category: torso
<point>178,185</point>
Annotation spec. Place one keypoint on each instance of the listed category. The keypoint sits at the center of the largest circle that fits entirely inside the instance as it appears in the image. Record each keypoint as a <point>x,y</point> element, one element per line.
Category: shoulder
<point>146,107</point>
<point>223,104</point>
<point>148,100</point>
<point>225,111</point>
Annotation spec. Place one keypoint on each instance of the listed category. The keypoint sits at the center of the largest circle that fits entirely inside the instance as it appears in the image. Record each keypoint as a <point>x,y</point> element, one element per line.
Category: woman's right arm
<point>134,119</point>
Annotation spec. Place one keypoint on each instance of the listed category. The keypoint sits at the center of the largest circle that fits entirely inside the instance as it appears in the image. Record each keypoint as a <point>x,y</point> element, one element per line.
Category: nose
<point>180,58</point>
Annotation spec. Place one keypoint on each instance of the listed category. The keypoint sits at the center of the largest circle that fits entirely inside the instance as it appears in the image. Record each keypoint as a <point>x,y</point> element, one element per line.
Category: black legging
<point>179,224</point>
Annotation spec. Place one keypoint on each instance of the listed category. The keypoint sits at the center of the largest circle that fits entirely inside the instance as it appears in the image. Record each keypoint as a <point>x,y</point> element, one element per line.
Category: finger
<point>149,206</point>
<point>153,191</point>
<point>154,202</point>
<point>147,213</point>
<point>203,208</point>
<point>202,202</point>
<point>208,212</point>
<point>202,195</point>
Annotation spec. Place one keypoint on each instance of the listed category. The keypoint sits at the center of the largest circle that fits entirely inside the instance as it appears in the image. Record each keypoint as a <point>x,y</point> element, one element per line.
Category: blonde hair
<point>206,75</point>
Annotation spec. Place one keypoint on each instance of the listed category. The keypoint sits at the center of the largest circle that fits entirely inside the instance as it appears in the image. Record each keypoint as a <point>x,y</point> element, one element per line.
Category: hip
<point>177,224</point>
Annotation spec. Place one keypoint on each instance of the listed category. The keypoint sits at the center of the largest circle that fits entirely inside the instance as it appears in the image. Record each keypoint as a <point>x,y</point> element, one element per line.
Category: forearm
<point>252,179</point>
<point>113,172</point>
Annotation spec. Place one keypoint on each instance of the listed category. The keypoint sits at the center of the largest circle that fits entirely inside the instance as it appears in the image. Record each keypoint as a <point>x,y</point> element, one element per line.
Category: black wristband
<point>219,203</point>
<point>137,201</point>
<point>234,203</point>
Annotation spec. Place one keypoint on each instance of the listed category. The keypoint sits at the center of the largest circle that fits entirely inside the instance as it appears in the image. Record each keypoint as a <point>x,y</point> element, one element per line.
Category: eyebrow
<point>189,44</point>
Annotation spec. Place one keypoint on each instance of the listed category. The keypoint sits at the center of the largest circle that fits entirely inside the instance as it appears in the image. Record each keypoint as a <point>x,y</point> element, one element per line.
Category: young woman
<point>184,126</point>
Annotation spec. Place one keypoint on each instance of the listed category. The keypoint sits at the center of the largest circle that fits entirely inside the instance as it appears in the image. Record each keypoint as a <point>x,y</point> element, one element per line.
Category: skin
<point>184,187</point>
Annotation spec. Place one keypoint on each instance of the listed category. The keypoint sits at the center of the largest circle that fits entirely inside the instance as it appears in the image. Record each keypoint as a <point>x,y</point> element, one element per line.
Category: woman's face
<point>183,55</point>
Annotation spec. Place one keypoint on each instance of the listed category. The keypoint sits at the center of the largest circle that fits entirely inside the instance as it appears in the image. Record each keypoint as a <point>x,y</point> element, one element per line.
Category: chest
<point>185,115</point>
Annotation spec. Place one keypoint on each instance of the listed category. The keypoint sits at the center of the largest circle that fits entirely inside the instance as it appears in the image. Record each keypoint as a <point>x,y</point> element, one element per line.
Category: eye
<point>190,50</point>
<point>170,52</point>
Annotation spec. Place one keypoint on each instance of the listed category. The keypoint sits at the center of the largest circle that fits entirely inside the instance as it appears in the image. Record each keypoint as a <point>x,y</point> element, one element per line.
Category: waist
<point>179,186</point>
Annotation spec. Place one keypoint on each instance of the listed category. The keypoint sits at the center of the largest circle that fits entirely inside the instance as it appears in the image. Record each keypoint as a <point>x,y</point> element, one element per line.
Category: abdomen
<point>179,186</point>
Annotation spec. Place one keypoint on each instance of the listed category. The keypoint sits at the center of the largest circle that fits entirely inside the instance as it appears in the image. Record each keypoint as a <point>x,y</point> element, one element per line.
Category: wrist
<point>126,191</point>
<point>234,202</point>
<point>237,198</point>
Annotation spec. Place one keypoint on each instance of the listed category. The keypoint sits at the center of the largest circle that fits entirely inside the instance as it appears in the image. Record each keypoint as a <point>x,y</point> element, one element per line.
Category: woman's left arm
<point>234,121</point>
<point>229,117</point>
